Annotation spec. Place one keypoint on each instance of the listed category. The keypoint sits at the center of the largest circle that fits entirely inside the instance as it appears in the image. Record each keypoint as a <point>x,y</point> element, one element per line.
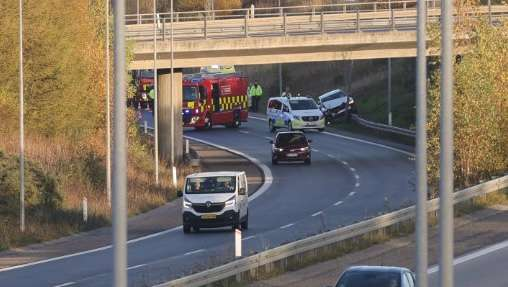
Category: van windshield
<point>214,184</point>
<point>305,104</point>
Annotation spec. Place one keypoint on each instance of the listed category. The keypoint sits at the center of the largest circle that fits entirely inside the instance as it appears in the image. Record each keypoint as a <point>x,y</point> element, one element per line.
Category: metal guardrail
<point>263,12</point>
<point>383,127</point>
<point>327,238</point>
<point>303,23</point>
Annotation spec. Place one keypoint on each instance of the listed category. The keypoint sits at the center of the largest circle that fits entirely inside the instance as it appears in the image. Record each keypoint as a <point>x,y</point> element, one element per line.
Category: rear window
<point>369,279</point>
<point>333,96</point>
<point>304,104</point>
<point>288,139</point>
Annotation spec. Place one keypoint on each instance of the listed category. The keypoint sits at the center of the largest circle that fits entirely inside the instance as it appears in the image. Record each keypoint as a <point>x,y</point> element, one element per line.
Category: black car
<point>379,276</point>
<point>291,146</point>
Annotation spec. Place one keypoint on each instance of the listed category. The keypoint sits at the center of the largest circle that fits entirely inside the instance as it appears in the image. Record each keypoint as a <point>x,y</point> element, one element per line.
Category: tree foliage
<point>480,98</point>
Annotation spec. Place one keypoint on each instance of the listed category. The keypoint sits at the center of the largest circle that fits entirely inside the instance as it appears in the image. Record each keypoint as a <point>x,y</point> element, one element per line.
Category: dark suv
<point>291,146</point>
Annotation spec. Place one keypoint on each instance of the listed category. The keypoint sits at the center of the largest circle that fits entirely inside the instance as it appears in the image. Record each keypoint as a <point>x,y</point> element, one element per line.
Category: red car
<point>291,146</point>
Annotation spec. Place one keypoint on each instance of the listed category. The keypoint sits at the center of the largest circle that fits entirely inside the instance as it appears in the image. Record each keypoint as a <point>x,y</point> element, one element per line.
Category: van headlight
<point>304,148</point>
<point>187,203</point>
<point>231,202</point>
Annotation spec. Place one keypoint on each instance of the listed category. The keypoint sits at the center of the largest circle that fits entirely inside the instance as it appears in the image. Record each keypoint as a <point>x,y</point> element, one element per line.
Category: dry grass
<point>80,171</point>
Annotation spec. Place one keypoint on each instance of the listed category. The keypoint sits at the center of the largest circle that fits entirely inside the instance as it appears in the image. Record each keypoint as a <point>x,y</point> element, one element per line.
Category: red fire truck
<point>214,99</point>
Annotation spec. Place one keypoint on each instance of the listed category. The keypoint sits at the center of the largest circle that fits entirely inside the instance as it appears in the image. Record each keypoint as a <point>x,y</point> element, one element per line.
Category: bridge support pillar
<point>166,100</point>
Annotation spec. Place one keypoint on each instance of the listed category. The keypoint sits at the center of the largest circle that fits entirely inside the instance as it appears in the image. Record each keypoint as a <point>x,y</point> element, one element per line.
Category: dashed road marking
<point>357,176</point>
<point>317,213</point>
<point>65,284</point>
<point>249,237</point>
<point>287,225</point>
<point>338,203</point>
<point>352,169</point>
<point>330,155</point>
<point>315,150</point>
<point>194,252</point>
<point>357,184</point>
<point>244,132</point>
<point>136,266</point>
<point>344,162</point>
<point>351,193</point>
<point>268,138</point>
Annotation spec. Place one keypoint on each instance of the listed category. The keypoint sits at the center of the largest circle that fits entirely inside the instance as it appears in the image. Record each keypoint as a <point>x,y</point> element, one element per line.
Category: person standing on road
<point>257,92</point>
<point>250,90</point>
<point>151,99</point>
<point>287,93</point>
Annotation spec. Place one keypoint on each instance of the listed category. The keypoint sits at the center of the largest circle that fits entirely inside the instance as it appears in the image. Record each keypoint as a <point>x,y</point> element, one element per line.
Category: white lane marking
<point>65,284</point>
<point>357,176</point>
<point>268,179</point>
<point>338,203</point>
<point>473,255</point>
<point>88,251</point>
<point>344,162</point>
<point>269,138</point>
<point>287,225</point>
<point>244,132</point>
<point>136,266</point>
<point>352,169</point>
<point>317,213</point>
<point>257,118</point>
<point>314,150</point>
<point>194,252</point>
<point>351,193</point>
<point>370,143</point>
<point>267,173</point>
<point>355,139</point>
<point>330,155</point>
<point>357,184</point>
<point>249,237</point>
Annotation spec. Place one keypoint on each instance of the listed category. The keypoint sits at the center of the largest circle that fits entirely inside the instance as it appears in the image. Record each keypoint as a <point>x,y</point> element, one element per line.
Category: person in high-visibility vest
<point>151,99</point>
<point>249,96</point>
<point>257,92</point>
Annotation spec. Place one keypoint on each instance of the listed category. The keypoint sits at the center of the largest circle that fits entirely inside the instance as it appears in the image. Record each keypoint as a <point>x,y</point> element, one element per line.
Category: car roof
<point>286,100</point>
<point>215,173</point>
<point>290,132</point>
<point>378,269</point>
<point>330,93</point>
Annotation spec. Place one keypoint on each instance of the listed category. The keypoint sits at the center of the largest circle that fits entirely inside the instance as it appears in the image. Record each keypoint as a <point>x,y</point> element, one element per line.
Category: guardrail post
<point>344,8</point>
<point>246,24</point>
<point>163,28</point>
<point>205,24</point>
<point>85,209</point>
<point>322,22</point>
<point>357,20</point>
<point>375,6</point>
<point>175,180</point>
<point>404,5</point>
<point>177,16</point>
<point>284,24</point>
<point>186,146</point>
<point>392,19</point>
<point>145,127</point>
<point>281,11</point>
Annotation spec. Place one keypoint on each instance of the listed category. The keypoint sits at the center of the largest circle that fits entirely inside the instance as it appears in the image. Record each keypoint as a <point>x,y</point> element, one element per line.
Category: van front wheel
<point>186,228</point>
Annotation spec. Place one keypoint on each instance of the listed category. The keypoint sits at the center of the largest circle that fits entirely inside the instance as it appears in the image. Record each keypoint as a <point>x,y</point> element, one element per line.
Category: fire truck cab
<point>214,99</point>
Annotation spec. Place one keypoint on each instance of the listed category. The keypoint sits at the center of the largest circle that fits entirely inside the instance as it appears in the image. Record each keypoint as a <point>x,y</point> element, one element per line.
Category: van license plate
<point>208,216</point>
<point>292,155</point>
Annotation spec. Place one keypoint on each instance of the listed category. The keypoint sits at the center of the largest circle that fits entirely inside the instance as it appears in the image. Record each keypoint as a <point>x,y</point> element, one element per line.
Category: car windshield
<point>213,184</point>
<point>369,279</point>
<point>305,104</point>
<point>290,139</point>
<point>190,94</point>
<point>333,96</point>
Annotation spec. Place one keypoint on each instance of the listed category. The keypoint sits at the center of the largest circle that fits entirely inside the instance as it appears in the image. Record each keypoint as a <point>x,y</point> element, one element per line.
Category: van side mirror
<point>179,193</point>
<point>241,191</point>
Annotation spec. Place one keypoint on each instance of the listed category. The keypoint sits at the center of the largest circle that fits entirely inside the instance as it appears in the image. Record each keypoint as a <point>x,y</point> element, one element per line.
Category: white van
<point>295,113</point>
<point>215,199</point>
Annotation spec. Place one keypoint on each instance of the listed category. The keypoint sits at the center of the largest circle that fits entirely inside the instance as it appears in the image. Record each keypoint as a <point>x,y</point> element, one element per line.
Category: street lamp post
<point>172,92</point>
<point>119,170</point>
<point>21,123</point>
<point>108,111</point>
<point>155,105</point>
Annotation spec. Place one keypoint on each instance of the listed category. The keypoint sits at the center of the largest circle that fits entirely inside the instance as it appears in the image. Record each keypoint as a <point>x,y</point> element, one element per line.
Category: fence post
<point>322,23</point>
<point>145,127</point>
<point>375,6</point>
<point>85,210</point>
<point>404,5</point>
<point>238,243</point>
<point>284,24</point>
<point>281,12</point>
<point>175,179</point>
<point>163,28</point>
<point>392,16</point>
<point>357,20</point>
<point>246,24</point>
<point>177,16</point>
<point>186,146</point>
<point>205,32</point>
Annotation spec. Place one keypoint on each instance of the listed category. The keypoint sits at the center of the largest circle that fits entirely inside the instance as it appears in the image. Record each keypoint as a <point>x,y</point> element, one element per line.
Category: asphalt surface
<point>348,181</point>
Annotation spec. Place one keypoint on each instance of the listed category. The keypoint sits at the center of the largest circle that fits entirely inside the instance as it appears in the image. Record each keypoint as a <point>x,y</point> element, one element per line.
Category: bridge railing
<point>294,23</point>
<point>263,12</point>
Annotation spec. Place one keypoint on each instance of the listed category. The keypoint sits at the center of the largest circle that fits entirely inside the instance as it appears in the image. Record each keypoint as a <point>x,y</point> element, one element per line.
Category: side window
<point>274,104</point>
<point>242,185</point>
<point>285,109</point>
<point>202,93</point>
<point>406,280</point>
<point>410,279</point>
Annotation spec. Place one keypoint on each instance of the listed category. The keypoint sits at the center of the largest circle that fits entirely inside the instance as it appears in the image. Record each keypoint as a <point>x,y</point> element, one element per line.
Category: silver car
<point>378,276</point>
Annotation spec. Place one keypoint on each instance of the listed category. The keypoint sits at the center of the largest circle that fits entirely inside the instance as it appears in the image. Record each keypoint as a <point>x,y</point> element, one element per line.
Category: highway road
<point>486,267</point>
<point>349,180</point>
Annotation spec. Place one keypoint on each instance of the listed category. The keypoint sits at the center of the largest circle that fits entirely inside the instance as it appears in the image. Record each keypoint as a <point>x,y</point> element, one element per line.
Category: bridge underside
<point>270,50</point>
